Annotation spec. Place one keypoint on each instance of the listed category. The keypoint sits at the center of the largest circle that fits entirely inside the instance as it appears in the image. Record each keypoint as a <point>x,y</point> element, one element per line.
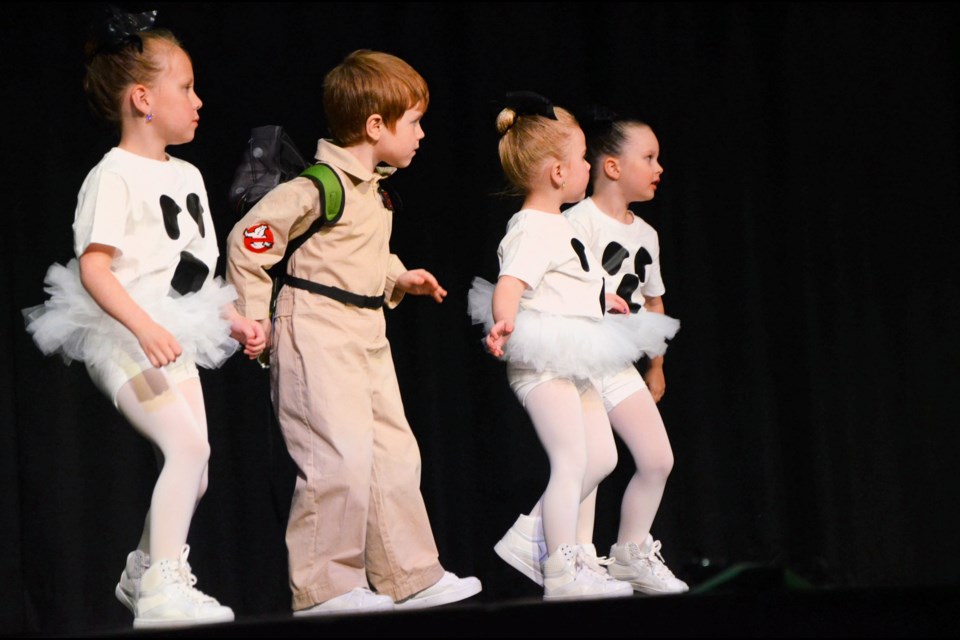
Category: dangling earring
<point>563,185</point>
<point>150,117</point>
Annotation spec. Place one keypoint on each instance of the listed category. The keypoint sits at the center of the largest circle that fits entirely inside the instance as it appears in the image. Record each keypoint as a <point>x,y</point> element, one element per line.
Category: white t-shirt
<point>155,213</point>
<point>630,253</point>
<point>543,250</point>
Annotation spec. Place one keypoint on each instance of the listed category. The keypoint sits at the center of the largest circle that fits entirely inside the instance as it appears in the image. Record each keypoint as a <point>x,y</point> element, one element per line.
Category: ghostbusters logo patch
<point>258,238</point>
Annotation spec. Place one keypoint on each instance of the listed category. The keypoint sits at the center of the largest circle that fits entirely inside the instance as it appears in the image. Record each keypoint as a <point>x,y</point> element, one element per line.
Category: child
<point>357,518</point>
<point>624,155</point>
<point>548,323</point>
<point>139,307</point>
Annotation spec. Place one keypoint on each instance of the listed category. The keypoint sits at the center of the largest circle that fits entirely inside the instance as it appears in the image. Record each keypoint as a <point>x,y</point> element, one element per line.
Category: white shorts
<point>618,387</point>
<point>523,381</point>
<point>110,376</point>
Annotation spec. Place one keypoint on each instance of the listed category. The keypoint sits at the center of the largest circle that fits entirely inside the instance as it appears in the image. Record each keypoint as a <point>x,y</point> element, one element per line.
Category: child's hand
<point>497,339</point>
<point>656,382</point>
<point>250,334</point>
<point>421,282</point>
<point>158,344</point>
<point>616,304</point>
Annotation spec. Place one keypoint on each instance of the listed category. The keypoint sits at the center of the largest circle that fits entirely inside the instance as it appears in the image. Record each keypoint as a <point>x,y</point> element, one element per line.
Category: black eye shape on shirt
<point>581,253</point>
<point>613,257</point>
<point>170,212</point>
<point>196,212</point>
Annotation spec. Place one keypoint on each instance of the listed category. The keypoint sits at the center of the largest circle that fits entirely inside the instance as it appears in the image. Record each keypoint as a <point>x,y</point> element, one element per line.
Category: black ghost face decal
<point>628,286</point>
<point>170,212</point>
<point>190,274</point>
<point>196,212</point>
<point>581,252</point>
<point>640,263</point>
<point>613,257</point>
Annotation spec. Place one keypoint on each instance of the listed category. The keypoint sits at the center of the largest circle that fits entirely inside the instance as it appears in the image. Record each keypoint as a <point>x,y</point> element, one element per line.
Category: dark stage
<point>808,219</point>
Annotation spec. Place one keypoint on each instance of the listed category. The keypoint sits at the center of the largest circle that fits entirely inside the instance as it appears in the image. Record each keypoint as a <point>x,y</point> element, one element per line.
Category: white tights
<point>637,421</point>
<point>575,432</point>
<point>171,416</point>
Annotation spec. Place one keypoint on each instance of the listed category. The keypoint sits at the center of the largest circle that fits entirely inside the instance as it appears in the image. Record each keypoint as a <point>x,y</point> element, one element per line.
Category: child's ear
<point>374,127</point>
<point>140,98</point>
<point>557,179</point>
<point>611,168</point>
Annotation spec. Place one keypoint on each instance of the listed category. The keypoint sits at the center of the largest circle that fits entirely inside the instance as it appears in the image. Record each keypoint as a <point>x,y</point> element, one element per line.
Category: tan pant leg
<point>401,553</point>
<point>322,394</point>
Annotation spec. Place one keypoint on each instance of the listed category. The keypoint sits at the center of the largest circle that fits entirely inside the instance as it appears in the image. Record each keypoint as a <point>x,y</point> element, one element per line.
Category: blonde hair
<point>110,73</point>
<point>526,141</point>
<point>369,82</point>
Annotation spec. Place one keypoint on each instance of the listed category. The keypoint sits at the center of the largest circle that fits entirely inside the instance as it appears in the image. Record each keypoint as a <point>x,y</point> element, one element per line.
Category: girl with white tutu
<point>547,320</point>
<point>139,305</point>
<point>624,156</point>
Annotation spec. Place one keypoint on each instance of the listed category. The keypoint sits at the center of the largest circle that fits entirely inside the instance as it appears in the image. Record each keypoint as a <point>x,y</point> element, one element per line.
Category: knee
<point>657,468</point>
<point>194,453</point>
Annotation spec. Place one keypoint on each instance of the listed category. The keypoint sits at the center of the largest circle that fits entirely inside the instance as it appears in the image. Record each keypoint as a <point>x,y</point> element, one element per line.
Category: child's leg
<point>588,511</point>
<point>637,421</point>
<point>401,555</point>
<point>159,410</point>
<point>570,430</point>
<point>193,393</point>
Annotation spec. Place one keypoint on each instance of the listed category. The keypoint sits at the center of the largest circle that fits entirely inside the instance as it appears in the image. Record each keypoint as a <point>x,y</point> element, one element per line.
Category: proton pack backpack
<point>271,159</point>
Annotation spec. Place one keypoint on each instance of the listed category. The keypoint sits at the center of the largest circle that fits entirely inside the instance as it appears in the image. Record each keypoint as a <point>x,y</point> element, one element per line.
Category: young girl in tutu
<point>140,307</point>
<point>546,319</point>
<point>624,156</point>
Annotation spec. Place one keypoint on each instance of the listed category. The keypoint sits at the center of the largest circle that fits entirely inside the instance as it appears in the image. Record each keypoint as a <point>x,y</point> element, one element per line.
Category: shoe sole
<point>125,600</point>
<point>147,623</point>
<point>467,590</point>
<point>590,596</point>
<point>503,550</point>
<point>310,613</point>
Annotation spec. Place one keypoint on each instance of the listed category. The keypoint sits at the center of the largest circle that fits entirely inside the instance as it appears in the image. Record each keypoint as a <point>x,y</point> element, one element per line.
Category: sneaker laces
<point>657,563</point>
<point>594,567</point>
<point>187,580</point>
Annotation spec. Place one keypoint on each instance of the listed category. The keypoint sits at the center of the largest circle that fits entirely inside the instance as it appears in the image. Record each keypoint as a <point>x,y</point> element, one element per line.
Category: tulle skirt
<point>72,325</point>
<point>573,346</point>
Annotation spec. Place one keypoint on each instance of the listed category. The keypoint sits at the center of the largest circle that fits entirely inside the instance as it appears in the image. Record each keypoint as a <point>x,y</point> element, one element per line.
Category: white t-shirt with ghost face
<point>629,253</point>
<point>544,251</point>
<point>155,213</point>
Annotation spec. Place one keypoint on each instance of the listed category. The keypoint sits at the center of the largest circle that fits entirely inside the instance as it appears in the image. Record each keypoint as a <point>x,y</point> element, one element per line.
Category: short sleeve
<point>103,207</point>
<point>523,256</point>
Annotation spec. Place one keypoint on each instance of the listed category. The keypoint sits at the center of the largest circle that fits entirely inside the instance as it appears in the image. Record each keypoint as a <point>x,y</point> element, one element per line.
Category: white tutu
<point>72,324</point>
<point>575,346</point>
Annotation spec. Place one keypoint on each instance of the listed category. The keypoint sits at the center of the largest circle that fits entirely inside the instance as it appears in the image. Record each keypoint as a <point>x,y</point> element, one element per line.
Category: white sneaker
<point>571,573</point>
<point>447,589</point>
<point>359,600</point>
<point>524,548</point>
<point>169,599</point>
<point>644,568</point>
<point>128,588</point>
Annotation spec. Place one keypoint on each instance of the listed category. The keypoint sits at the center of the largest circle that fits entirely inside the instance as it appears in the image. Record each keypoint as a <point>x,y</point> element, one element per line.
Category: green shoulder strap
<point>331,190</point>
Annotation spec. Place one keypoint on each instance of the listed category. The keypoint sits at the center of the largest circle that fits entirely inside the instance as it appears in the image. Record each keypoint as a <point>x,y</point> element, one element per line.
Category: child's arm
<point>654,376</point>
<point>259,240</point>
<point>158,344</point>
<point>420,282</point>
<point>506,303</point>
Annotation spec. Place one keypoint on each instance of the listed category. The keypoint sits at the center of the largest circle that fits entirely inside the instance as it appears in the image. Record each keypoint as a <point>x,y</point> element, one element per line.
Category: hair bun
<point>505,120</point>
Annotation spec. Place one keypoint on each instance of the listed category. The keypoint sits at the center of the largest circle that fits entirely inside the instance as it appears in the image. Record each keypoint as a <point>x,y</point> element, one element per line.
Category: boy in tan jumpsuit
<point>357,511</point>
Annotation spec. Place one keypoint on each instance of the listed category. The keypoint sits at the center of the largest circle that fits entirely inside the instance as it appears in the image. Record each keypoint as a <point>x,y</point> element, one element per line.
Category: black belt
<point>346,297</point>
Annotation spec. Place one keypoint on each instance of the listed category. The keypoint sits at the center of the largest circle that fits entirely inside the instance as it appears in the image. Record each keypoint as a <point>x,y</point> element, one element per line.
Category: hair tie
<point>528,103</point>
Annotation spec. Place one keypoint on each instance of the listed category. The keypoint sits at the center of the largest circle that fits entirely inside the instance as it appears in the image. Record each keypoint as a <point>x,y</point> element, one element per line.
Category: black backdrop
<point>807,221</point>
